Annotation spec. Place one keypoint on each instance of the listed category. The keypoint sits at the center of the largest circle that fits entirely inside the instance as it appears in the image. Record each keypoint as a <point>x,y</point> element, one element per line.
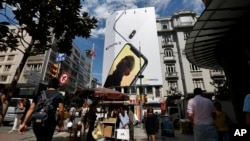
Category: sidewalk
<point>139,135</point>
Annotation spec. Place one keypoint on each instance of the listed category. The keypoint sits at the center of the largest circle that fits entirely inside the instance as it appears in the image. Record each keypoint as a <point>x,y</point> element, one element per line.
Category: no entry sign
<point>64,77</point>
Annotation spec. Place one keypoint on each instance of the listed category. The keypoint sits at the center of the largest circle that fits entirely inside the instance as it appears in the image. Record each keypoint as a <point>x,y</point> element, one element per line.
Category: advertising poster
<point>131,48</point>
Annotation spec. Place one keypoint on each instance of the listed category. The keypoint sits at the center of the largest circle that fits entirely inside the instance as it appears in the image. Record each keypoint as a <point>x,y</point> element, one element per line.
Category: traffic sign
<point>60,57</point>
<point>64,77</point>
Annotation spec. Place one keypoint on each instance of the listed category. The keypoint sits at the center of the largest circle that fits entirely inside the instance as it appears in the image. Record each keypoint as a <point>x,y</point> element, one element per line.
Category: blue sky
<point>102,9</point>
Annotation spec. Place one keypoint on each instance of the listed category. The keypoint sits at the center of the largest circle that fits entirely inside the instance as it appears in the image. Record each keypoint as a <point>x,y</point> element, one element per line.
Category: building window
<point>194,68</point>
<point>165,26</point>
<point>199,83</point>
<point>133,89</point>
<point>149,89</point>
<point>170,69</point>
<point>186,35</point>
<point>157,92</point>
<point>7,68</point>
<point>126,90</point>
<point>2,58</point>
<point>34,67</point>
<point>168,53</point>
<point>3,78</point>
<point>11,57</point>
<point>172,84</point>
<point>167,38</point>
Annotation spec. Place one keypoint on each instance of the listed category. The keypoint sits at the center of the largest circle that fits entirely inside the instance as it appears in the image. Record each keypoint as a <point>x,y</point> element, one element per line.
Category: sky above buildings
<point>102,9</point>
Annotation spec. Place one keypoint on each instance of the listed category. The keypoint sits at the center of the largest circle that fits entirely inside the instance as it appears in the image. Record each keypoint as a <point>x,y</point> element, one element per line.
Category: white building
<point>179,74</point>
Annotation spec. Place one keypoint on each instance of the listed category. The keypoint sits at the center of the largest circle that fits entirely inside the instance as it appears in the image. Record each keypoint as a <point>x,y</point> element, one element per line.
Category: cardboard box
<point>108,131</point>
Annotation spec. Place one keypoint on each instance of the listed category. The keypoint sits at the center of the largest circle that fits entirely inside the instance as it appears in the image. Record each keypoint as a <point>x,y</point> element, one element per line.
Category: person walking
<point>2,102</point>
<point>45,131</point>
<point>84,111</point>
<point>201,113</point>
<point>91,117</point>
<point>150,124</point>
<point>221,122</point>
<point>131,123</point>
<point>124,119</point>
<point>19,113</point>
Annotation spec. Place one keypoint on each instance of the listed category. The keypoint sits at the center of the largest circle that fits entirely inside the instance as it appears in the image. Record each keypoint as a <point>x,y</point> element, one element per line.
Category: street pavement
<point>139,135</point>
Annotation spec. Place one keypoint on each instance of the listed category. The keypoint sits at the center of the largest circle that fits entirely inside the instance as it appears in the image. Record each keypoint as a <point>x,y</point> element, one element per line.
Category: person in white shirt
<point>201,113</point>
<point>84,111</point>
<point>124,119</point>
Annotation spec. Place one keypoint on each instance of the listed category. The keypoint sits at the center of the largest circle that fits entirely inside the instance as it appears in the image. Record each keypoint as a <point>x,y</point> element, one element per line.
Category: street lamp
<point>140,88</point>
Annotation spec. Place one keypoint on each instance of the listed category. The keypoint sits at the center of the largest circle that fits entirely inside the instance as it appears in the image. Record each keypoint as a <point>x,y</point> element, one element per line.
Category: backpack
<point>44,109</point>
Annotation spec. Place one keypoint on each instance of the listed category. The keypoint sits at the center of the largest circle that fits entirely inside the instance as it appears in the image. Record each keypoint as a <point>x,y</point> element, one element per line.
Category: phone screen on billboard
<point>126,67</point>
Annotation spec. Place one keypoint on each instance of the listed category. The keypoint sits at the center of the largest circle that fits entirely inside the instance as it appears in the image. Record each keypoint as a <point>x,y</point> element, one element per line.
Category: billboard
<point>131,48</point>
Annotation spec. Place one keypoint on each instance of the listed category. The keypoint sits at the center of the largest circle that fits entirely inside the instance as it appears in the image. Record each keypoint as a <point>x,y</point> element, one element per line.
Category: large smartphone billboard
<point>131,48</point>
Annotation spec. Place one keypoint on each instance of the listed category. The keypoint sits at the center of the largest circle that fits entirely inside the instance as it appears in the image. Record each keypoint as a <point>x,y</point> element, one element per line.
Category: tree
<point>42,20</point>
<point>221,89</point>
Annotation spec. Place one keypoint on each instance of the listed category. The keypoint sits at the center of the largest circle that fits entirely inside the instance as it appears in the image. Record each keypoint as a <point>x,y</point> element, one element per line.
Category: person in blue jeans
<point>201,113</point>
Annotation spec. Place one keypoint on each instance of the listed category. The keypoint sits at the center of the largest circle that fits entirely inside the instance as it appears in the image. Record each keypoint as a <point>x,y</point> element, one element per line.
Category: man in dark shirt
<point>45,132</point>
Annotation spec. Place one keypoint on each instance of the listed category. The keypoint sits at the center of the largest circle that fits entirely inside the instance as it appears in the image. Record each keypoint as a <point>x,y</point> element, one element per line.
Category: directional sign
<point>60,57</point>
<point>64,78</point>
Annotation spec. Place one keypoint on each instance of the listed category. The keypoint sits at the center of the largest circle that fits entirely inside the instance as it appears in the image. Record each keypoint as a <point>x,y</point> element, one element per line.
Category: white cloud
<point>101,9</point>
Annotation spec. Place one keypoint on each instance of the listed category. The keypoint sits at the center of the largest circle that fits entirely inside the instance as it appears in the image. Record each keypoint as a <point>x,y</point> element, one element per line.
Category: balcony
<point>196,74</point>
<point>167,44</point>
<point>171,76</point>
<point>169,59</point>
<point>217,74</point>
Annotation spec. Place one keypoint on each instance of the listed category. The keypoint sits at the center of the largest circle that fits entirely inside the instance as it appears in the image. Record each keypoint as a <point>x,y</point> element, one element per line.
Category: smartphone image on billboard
<point>129,23</point>
<point>126,67</point>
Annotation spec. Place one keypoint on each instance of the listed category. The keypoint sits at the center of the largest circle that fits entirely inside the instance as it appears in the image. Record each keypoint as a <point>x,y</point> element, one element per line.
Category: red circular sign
<point>64,77</point>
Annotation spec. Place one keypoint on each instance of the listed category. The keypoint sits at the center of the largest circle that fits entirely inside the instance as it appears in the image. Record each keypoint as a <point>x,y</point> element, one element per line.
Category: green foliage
<point>221,89</point>
<point>42,19</point>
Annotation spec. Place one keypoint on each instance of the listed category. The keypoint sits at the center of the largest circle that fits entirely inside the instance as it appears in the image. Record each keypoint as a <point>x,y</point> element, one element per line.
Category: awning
<point>212,26</point>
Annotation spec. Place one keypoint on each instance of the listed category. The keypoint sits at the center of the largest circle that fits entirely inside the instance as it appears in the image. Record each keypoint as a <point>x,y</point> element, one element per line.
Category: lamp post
<point>140,88</point>
<point>91,54</point>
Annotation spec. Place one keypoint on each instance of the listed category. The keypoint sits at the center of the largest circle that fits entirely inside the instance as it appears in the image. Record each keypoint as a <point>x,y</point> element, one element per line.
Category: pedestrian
<point>246,109</point>
<point>221,122</point>
<point>45,131</point>
<point>84,112</point>
<point>26,108</point>
<point>131,123</point>
<point>124,119</point>
<point>150,124</point>
<point>19,113</point>
<point>2,102</point>
<point>201,113</point>
<point>91,118</point>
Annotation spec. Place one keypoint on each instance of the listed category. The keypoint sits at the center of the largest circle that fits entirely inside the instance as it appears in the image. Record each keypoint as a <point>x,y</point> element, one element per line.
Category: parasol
<point>103,94</point>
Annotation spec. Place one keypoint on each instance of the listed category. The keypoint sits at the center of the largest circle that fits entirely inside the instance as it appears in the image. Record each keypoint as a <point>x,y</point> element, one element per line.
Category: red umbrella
<point>109,94</point>
<point>103,94</point>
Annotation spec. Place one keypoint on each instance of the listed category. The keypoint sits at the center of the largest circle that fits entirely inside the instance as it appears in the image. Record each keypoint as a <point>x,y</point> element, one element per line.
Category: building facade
<point>37,68</point>
<point>181,76</point>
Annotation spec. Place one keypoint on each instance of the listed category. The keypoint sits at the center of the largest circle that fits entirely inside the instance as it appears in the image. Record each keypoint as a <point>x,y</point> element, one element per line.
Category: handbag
<point>123,134</point>
<point>69,124</point>
<point>97,133</point>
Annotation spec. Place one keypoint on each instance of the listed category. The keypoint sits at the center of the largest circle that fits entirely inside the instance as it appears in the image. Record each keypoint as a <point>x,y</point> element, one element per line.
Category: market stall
<point>106,98</point>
